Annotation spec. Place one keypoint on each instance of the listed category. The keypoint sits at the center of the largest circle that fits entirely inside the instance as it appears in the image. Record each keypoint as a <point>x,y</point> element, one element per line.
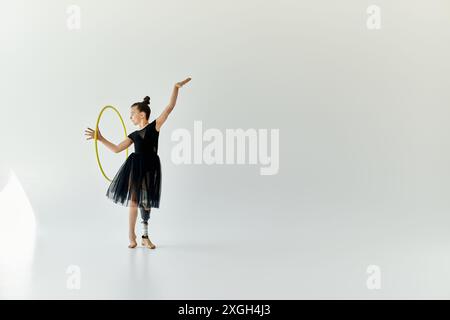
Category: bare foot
<point>133,243</point>
<point>147,243</point>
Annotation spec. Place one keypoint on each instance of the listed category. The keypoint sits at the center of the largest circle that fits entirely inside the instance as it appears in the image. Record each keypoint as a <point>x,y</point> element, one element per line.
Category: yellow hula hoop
<point>95,137</point>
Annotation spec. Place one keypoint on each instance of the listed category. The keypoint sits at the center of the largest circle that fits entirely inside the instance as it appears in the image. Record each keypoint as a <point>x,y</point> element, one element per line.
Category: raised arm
<point>173,100</point>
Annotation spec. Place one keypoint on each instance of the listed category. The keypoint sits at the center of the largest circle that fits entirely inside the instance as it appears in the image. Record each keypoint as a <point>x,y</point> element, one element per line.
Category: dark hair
<point>143,106</point>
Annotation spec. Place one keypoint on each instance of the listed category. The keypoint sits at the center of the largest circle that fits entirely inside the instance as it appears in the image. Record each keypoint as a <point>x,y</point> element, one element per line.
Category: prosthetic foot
<point>147,243</point>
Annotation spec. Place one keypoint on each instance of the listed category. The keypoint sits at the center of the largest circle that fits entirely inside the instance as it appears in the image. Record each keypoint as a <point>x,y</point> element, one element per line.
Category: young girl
<point>137,184</point>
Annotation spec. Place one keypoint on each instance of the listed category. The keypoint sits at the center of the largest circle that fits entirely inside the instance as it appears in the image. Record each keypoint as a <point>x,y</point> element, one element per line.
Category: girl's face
<point>136,116</point>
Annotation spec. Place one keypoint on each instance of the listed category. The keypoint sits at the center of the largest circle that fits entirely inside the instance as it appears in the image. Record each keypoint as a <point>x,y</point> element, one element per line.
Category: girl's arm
<point>173,100</point>
<point>117,148</point>
<point>124,144</point>
<point>111,146</point>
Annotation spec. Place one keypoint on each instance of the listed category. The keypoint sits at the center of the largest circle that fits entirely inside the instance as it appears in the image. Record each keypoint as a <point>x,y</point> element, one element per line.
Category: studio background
<point>363,148</point>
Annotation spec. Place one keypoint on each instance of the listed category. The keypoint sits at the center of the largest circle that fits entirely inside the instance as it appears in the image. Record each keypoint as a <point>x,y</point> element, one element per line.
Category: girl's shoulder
<point>154,126</point>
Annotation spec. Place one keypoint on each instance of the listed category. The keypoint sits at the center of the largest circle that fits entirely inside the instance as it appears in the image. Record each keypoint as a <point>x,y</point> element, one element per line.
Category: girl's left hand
<point>182,83</point>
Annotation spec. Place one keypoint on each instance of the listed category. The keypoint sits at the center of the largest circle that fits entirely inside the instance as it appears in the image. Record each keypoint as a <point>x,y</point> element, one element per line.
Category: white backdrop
<point>364,146</point>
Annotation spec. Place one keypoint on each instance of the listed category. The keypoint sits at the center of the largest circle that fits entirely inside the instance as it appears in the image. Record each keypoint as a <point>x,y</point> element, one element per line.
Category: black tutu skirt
<point>139,180</point>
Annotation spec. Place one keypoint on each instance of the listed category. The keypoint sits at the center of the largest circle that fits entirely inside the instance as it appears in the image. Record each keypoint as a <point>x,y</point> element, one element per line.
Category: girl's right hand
<point>90,134</point>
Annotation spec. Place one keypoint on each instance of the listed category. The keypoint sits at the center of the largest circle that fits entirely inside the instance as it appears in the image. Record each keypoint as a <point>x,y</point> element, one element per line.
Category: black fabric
<point>139,177</point>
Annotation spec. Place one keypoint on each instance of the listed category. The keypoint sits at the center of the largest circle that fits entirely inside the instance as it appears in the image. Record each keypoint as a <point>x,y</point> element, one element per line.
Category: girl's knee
<point>145,214</point>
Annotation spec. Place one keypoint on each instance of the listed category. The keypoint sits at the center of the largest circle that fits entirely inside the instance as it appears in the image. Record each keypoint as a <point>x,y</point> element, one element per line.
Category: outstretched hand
<point>91,133</point>
<point>182,83</point>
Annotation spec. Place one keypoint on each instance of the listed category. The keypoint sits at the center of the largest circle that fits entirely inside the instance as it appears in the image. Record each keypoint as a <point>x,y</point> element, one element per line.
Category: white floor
<point>228,258</point>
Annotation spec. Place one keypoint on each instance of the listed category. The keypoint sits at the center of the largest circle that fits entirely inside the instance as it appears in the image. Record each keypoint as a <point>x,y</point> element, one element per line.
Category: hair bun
<point>146,100</point>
